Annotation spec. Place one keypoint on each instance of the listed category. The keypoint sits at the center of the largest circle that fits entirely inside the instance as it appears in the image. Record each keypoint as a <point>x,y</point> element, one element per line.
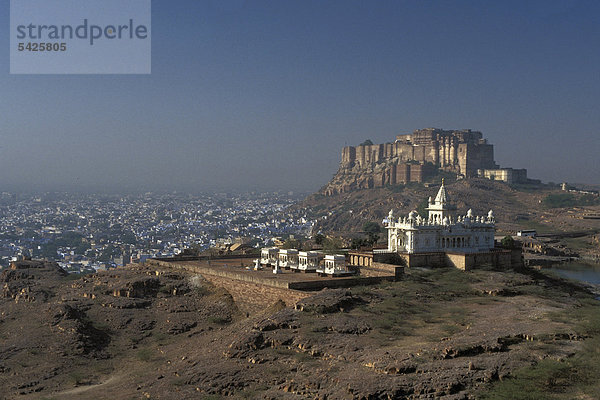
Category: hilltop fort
<point>417,156</point>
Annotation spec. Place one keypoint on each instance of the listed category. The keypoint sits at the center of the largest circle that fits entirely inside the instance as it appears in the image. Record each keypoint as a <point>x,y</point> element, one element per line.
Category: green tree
<point>508,242</point>
<point>372,238</point>
<point>372,227</point>
<point>560,200</point>
<point>319,238</point>
<point>292,244</point>
<point>332,244</point>
<point>357,243</point>
<point>49,251</point>
<point>82,248</point>
<point>128,238</point>
<point>589,200</point>
<point>557,200</point>
<point>422,208</point>
<point>107,254</point>
<point>367,142</point>
<point>69,239</point>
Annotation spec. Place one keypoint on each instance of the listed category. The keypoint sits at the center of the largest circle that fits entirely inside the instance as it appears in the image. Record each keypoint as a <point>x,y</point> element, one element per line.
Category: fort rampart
<point>412,158</point>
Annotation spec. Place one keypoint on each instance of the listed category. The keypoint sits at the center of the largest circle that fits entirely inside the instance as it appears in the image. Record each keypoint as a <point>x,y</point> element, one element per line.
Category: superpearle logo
<point>80,37</point>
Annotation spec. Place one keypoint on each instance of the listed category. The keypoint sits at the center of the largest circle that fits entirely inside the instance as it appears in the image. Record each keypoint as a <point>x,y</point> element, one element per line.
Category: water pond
<point>582,272</point>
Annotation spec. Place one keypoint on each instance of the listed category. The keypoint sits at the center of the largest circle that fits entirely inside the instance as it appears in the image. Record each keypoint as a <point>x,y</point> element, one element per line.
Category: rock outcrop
<point>26,281</point>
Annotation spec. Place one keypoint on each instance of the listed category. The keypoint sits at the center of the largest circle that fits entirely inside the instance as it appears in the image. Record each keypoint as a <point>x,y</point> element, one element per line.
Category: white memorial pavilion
<point>442,231</point>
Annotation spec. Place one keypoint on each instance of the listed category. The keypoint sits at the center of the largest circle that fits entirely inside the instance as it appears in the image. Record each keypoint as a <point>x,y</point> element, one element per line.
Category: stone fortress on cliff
<point>417,156</point>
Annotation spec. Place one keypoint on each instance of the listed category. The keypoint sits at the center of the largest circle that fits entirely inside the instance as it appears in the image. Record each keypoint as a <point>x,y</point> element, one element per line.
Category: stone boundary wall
<point>250,295</point>
<point>435,260</point>
<point>340,282</point>
<point>252,298</point>
<point>314,285</point>
<point>382,269</point>
<point>205,258</point>
<point>223,273</point>
<point>499,258</point>
<point>496,259</point>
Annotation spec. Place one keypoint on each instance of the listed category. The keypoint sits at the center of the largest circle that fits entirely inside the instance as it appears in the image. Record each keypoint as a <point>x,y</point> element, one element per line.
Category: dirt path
<point>83,389</point>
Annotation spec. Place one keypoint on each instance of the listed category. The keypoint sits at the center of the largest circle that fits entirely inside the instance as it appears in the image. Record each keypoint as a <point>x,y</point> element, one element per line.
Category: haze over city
<point>263,95</point>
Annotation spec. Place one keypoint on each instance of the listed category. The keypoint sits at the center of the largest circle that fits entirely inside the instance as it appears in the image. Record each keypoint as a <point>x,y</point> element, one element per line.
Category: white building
<point>335,264</point>
<point>268,256</point>
<point>441,231</point>
<point>288,258</point>
<point>309,260</point>
<point>508,175</point>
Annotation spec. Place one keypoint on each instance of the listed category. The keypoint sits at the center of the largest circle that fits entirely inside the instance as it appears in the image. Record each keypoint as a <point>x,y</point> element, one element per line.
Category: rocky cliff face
<point>387,171</point>
<point>411,158</point>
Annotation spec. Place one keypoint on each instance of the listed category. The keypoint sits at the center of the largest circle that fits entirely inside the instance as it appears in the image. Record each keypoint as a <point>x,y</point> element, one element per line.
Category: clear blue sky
<point>263,95</point>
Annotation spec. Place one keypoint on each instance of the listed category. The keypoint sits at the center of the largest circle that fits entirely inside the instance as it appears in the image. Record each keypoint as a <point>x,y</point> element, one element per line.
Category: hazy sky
<point>263,95</point>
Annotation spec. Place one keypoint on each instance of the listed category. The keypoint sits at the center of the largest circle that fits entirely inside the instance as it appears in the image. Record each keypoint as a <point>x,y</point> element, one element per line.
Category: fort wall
<point>461,151</point>
<point>412,158</point>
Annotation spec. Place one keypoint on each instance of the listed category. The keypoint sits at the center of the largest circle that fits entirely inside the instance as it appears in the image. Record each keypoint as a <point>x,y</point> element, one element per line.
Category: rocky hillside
<point>515,208</point>
<point>142,332</point>
<point>58,333</point>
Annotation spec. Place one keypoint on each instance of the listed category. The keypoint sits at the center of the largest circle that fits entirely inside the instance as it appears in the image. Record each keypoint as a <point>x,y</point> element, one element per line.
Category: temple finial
<point>442,181</point>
